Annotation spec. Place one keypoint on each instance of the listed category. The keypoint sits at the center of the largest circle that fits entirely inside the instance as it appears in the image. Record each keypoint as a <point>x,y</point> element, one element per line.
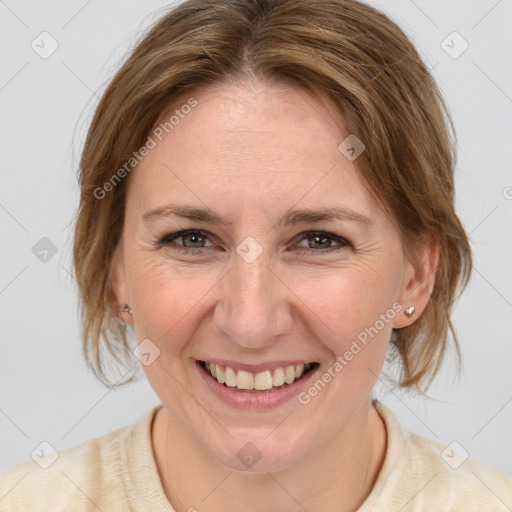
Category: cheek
<point>349,300</point>
<point>167,297</point>
<point>352,314</point>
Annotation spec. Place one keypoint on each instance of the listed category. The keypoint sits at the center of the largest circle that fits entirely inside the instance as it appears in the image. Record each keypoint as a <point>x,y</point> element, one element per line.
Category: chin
<point>258,453</point>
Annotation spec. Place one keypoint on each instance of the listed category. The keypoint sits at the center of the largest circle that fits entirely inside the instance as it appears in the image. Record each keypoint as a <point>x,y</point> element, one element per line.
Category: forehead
<point>267,145</point>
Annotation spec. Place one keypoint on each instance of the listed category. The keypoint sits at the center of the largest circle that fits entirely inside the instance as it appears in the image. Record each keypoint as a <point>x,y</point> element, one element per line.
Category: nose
<point>254,309</point>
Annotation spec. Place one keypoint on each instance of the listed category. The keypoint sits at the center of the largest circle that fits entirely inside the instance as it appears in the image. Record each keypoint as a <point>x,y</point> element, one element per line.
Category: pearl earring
<point>410,311</point>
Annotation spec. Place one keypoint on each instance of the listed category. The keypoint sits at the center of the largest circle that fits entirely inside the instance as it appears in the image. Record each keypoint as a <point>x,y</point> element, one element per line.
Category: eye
<point>189,240</point>
<point>323,241</point>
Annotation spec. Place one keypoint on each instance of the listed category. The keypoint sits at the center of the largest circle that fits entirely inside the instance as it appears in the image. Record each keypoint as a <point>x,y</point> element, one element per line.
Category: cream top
<point>117,472</point>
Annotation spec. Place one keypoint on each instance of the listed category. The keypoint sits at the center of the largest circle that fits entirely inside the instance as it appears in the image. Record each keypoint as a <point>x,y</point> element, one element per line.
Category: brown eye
<point>319,242</point>
<point>323,241</point>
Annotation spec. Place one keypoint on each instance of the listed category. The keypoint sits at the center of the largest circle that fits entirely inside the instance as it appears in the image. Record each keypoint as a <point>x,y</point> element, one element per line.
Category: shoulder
<point>87,476</point>
<point>421,474</point>
<point>457,478</point>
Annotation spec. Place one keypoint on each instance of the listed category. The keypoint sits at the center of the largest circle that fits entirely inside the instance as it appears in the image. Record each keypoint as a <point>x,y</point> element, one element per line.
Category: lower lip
<point>251,401</point>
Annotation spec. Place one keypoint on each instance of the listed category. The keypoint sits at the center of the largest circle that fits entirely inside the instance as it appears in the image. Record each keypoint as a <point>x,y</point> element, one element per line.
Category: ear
<point>120,283</point>
<point>419,280</point>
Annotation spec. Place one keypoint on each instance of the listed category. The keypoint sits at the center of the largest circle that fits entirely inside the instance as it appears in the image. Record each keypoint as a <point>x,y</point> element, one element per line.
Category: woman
<point>266,204</point>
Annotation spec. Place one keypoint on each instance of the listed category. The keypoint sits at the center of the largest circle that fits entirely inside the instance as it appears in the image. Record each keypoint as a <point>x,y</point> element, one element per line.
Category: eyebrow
<point>291,217</point>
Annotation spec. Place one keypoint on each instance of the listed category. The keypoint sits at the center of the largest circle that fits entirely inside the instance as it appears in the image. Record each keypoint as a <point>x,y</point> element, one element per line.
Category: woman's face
<point>259,283</point>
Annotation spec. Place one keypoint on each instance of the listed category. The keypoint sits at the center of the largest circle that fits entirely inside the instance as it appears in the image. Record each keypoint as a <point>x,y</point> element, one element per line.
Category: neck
<point>337,475</point>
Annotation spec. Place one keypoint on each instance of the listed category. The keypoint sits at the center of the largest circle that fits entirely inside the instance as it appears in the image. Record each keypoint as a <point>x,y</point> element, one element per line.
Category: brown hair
<point>374,78</point>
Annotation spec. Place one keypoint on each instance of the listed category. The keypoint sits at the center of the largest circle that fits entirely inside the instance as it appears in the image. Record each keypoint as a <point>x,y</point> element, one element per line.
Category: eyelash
<point>167,239</point>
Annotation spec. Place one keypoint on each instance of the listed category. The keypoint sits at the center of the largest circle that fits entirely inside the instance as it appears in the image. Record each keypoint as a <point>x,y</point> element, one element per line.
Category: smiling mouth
<point>268,380</point>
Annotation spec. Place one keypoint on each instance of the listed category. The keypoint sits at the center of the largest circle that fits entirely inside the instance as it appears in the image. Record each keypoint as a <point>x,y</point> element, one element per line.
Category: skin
<point>251,151</point>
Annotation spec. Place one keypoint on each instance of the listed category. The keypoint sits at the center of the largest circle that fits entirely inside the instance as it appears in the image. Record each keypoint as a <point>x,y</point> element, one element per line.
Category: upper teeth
<point>242,379</point>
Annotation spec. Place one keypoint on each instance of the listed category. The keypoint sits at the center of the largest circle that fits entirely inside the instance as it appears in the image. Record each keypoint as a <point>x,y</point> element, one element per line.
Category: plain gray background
<point>46,391</point>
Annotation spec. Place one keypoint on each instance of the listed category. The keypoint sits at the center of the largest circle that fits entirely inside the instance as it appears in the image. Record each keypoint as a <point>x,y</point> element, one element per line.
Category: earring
<point>410,311</point>
<point>126,309</point>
